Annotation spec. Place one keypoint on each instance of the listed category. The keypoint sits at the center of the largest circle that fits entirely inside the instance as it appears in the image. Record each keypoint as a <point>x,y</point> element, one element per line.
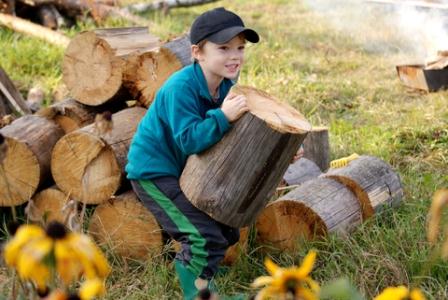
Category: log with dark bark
<point>233,180</point>
<point>372,180</point>
<point>313,209</point>
<point>30,140</point>
<point>125,226</point>
<point>46,16</point>
<point>102,56</point>
<point>147,72</point>
<point>31,29</point>
<point>89,166</point>
<point>10,98</point>
<point>165,5</point>
<point>317,147</point>
<point>301,171</point>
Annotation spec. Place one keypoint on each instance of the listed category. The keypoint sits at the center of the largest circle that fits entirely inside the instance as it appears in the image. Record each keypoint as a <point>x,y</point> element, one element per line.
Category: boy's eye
<point>223,48</point>
<point>241,47</point>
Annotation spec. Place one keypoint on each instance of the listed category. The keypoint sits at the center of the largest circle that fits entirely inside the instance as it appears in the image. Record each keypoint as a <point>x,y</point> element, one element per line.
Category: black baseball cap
<point>220,26</point>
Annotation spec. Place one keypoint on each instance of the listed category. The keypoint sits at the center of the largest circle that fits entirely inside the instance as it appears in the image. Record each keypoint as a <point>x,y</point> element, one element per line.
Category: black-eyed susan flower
<point>294,282</point>
<point>34,252</point>
<point>88,290</point>
<point>400,293</point>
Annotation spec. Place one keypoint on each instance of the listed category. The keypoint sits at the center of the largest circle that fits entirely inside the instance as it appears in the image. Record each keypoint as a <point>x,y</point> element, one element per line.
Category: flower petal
<point>271,266</point>
<point>24,235</point>
<point>416,294</point>
<point>261,281</point>
<point>393,293</point>
<point>92,288</point>
<point>308,263</point>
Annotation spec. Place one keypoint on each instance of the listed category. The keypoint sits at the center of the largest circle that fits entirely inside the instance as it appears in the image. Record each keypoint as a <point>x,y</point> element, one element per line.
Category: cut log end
<point>282,224</point>
<point>19,174</point>
<point>85,167</point>
<point>126,226</point>
<point>49,204</point>
<point>91,71</point>
<point>235,251</point>
<point>279,116</point>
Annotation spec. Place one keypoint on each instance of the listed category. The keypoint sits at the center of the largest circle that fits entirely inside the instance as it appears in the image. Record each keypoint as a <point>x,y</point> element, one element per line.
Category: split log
<point>71,115</point>
<point>127,227</point>
<point>30,140</point>
<point>49,204</point>
<point>31,29</point>
<point>317,147</point>
<point>233,180</point>
<point>90,167</point>
<point>372,180</point>
<point>10,98</point>
<point>313,209</point>
<point>94,62</point>
<point>147,72</point>
<point>301,171</point>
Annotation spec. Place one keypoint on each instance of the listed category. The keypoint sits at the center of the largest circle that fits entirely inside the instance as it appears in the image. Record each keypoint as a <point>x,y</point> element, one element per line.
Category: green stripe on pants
<point>197,242</point>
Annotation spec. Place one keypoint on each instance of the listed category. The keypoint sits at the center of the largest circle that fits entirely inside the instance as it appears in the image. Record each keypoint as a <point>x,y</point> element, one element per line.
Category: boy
<point>192,111</point>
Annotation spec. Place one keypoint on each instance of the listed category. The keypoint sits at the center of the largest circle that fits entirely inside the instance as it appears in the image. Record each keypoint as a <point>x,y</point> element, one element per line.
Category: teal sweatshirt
<point>182,120</point>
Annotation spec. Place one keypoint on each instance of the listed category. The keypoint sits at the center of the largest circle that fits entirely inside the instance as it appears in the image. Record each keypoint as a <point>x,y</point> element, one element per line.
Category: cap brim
<point>225,35</point>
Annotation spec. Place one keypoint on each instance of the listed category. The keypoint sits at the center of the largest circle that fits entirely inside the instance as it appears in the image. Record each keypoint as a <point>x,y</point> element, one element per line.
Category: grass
<point>334,79</point>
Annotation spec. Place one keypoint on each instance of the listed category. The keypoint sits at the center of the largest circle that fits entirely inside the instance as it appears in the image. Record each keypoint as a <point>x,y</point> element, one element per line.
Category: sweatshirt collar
<point>224,86</point>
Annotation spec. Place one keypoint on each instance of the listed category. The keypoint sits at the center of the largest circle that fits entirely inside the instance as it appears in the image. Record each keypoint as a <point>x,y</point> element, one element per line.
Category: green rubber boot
<point>186,279</point>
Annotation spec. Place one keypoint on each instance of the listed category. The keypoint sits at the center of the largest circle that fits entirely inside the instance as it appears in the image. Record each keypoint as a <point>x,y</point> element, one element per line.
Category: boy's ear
<point>196,52</point>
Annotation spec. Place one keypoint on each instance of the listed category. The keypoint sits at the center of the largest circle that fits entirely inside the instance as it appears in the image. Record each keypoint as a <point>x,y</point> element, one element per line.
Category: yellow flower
<point>33,252</point>
<point>88,290</point>
<point>439,200</point>
<point>400,293</point>
<point>284,281</point>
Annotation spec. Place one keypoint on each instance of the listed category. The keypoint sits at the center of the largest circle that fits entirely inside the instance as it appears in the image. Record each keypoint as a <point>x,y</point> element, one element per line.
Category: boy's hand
<point>234,106</point>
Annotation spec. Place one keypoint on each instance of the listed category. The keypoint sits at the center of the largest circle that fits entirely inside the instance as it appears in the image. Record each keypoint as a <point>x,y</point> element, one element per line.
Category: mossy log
<point>30,140</point>
<point>315,208</point>
<point>127,227</point>
<point>95,62</point>
<point>233,180</point>
<point>372,180</point>
<point>89,166</point>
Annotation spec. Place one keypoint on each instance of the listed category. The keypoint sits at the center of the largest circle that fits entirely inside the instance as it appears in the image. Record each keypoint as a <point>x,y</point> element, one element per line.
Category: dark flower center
<point>43,293</point>
<point>2,139</point>
<point>56,230</point>
<point>290,286</point>
<point>73,297</point>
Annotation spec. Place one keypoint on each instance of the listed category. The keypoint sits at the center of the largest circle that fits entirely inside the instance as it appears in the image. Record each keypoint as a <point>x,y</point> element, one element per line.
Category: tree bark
<point>233,180</point>
<point>372,180</point>
<point>125,226</point>
<point>10,98</point>
<point>30,140</point>
<point>95,61</point>
<point>89,167</point>
<point>45,15</point>
<point>317,147</point>
<point>31,29</point>
<point>313,209</point>
<point>146,73</point>
<point>301,171</point>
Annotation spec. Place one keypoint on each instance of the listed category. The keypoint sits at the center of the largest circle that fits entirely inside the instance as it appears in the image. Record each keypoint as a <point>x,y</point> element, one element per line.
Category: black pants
<point>204,241</point>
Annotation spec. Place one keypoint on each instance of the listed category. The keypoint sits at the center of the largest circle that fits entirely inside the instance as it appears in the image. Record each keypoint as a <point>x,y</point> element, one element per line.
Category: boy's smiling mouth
<point>232,67</point>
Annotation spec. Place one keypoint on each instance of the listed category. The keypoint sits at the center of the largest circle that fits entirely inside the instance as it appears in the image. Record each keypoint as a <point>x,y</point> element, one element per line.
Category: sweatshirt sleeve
<point>191,132</point>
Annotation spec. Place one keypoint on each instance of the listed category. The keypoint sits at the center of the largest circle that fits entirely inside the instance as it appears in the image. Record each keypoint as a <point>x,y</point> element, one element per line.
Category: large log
<point>313,209</point>
<point>317,147</point>
<point>49,204</point>
<point>11,101</point>
<point>372,180</point>
<point>30,140</point>
<point>127,227</point>
<point>89,166</point>
<point>154,67</point>
<point>95,61</point>
<point>301,171</point>
<point>233,180</point>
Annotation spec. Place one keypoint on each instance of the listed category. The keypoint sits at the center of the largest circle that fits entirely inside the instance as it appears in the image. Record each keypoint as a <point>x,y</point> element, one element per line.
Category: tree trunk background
<point>233,180</point>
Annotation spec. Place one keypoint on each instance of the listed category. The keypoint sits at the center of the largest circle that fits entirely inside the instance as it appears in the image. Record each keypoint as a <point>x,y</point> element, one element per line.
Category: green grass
<point>336,81</point>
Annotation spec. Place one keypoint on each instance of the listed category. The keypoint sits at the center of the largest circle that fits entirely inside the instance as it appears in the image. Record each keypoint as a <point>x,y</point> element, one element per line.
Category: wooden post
<point>313,209</point>
<point>90,167</point>
<point>102,57</point>
<point>30,140</point>
<point>317,147</point>
<point>233,180</point>
<point>372,180</point>
<point>10,98</point>
<point>127,227</point>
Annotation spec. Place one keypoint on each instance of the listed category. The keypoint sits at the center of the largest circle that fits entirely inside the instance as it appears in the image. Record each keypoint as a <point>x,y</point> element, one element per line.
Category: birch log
<point>30,140</point>
<point>372,180</point>
<point>233,180</point>
<point>315,208</point>
<point>89,167</point>
<point>95,61</point>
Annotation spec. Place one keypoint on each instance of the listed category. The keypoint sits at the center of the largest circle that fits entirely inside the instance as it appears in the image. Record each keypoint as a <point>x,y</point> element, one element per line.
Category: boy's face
<point>223,60</point>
